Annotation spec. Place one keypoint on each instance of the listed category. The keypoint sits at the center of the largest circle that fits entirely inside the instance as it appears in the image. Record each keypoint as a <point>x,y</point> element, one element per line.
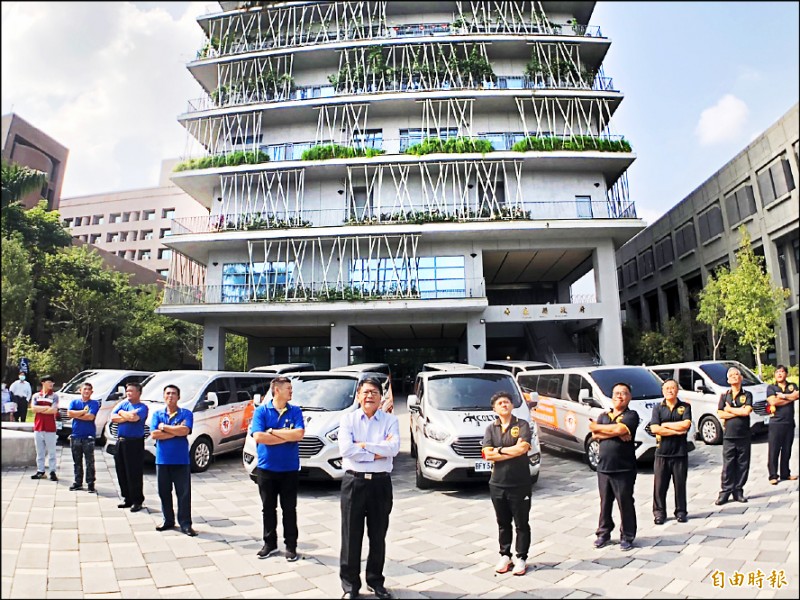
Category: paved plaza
<point>442,542</point>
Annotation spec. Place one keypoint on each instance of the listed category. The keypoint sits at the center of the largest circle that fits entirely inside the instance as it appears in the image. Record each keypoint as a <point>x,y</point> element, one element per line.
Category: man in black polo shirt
<point>506,443</point>
<point>781,397</point>
<point>670,423</point>
<point>616,467</point>
<point>734,410</point>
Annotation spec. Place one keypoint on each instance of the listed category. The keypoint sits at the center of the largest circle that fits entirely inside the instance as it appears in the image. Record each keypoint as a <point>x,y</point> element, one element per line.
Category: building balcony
<point>244,97</point>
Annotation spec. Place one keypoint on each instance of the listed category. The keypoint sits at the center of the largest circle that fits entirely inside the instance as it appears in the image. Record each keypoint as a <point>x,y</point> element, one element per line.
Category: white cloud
<point>107,80</point>
<point>723,122</point>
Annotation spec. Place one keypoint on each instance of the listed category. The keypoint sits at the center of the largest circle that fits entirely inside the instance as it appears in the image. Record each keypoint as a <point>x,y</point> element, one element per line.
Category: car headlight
<point>435,433</point>
<point>333,435</point>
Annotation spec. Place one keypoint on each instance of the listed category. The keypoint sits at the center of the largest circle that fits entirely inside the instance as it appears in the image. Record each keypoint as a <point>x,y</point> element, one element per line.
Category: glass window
<point>584,206</point>
<point>710,223</point>
<point>67,222</point>
<point>470,391</point>
<point>149,215</point>
<point>644,383</point>
<point>163,272</point>
<point>165,233</point>
<point>144,254</point>
<point>550,385</point>
<point>718,372</point>
<point>242,282</point>
<point>664,253</point>
<point>687,377</point>
<point>528,382</point>
<point>685,240</point>
<point>222,388</point>
<point>189,383</point>
<point>646,263</point>
<point>168,213</point>
<point>248,387</point>
<point>575,384</point>
<point>165,253</point>
<point>322,392</point>
<point>146,235</point>
<point>371,138</point>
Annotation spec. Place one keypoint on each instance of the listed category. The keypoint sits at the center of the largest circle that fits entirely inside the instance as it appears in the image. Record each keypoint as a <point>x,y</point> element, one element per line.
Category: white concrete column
<point>476,341</point>
<point>605,284</point>
<point>340,345</point>
<point>213,347</point>
<point>773,268</point>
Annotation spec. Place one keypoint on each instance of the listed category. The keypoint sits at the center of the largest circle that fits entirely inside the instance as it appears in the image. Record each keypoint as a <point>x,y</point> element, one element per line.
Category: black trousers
<point>512,503</point>
<point>82,449</point>
<point>779,449</point>
<point>363,500</point>
<point>22,409</point>
<point>273,485</point>
<point>619,487</point>
<point>665,468</point>
<point>179,477</point>
<point>129,463</point>
<point>735,464</point>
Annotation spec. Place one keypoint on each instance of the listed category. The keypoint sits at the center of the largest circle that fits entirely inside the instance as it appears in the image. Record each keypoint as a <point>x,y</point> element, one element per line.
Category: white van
<point>222,403</point>
<point>569,398</point>
<point>108,388</point>
<point>516,366</point>
<point>323,396</point>
<point>446,366</point>
<point>383,368</point>
<point>282,368</point>
<point>448,414</point>
<point>702,383</point>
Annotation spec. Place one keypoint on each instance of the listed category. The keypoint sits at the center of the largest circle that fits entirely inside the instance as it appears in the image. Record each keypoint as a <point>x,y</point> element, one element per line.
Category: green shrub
<point>232,159</point>
<point>457,145</point>
<point>328,151</point>
<point>576,143</point>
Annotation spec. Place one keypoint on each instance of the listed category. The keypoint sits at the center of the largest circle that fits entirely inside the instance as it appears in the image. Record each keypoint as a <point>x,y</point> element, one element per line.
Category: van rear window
<point>470,392</point>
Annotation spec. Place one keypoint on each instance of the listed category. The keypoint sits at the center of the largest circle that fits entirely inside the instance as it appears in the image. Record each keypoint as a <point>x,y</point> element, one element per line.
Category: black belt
<point>378,475</point>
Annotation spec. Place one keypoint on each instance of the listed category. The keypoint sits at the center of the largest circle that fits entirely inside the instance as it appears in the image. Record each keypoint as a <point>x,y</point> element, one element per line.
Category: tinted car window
<point>189,383</point>
<point>222,388</point>
<point>550,385</point>
<point>575,384</point>
<point>718,372</point>
<point>686,378</point>
<point>528,382</point>
<point>462,392</point>
<point>100,381</point>
<point>643,382</point>
<point>323,393</point>
<point>248,387</point>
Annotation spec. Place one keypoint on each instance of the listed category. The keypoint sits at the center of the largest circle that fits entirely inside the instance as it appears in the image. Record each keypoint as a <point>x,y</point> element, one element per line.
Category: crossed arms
<point>518,449</point>
<point>278,436</point>
<point>82,415</point>
<point>610,430</point>
<point>363,451</point>
<point>782,398</point>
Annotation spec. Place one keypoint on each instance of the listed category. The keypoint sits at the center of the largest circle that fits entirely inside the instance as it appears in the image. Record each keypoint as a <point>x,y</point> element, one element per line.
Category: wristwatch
<point>269,430</point>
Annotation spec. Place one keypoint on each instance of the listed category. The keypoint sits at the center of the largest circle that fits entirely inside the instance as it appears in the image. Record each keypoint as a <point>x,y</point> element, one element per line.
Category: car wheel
<point>413,448</point>
<point>710,431</point>
<point>592,453</point>
<point>421,482</point>
<point>200,455</point>
<point>534,479</point>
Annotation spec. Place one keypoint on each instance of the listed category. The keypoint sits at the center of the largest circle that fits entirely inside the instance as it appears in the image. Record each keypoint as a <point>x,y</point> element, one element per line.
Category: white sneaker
<point>503,565</point>
<point>519,566</point>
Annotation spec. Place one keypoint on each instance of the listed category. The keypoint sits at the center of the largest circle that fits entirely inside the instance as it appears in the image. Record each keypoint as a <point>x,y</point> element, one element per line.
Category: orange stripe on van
<point>249,410</point>
<point>545,414</point>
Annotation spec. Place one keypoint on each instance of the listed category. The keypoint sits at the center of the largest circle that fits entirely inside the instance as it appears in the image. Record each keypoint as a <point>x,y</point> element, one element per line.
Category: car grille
<point>62,414</point>
<point>115,426</point>
<point>468,447</point>
<point>310,446</point>
<point>760,407</point>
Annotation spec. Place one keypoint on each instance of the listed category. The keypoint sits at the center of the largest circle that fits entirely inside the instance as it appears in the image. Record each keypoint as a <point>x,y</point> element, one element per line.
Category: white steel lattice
<point>567,117</point>
<point>341,123</point>
<point>224,133</point>
<point>276,194</point>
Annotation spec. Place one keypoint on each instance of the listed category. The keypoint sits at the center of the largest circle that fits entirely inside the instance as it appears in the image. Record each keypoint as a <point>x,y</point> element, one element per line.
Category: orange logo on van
<point>545,414</point>
<point>248,415</point>
<point>225,424</point>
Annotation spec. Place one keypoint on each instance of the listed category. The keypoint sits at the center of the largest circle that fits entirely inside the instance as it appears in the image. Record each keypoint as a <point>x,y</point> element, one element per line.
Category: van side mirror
<point>699,386</point>
<point>121,391</point>
<point>585,398</point>
<point>531,399</point>
<point>115,396</point>
<point>257,399</point>
<point>211,400</point>
<point>413,403</point>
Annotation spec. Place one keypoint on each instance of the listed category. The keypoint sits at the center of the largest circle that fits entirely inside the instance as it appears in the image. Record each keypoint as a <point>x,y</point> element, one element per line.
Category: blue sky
<point>701,80</point>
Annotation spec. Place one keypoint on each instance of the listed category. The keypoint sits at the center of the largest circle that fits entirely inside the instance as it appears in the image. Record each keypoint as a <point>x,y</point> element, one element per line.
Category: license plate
<point>59,425</point>
<point>483,466</point>
<point>766,420</point>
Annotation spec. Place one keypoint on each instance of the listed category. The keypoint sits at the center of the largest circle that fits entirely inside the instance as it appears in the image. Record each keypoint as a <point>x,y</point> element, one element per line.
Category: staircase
<point>567,360</point>
<point>556,346</point>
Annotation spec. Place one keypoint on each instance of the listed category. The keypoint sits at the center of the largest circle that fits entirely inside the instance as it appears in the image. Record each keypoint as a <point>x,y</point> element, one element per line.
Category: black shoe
<point>658,520</point>
<point>136,508</point>
<point>188,531</point>
<point>124,505</point>
<point>626,545</point>
<point>381,592</point>
<point>90,489</point>
<point>266,551</point>
<point>351,595</point>
<point>681,518</point>
<point>75,486</point>
<point>53,476</point>
<point>739,498</point>
<point>291,556</point>
<point>165,526</point>
<point>723,499</point>
<point>602,540</point>
<point>38,475</point>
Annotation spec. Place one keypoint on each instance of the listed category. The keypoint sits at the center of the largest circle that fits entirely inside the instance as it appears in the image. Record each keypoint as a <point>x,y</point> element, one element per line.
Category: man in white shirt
<point>21,394</point>
<point>369,439</point>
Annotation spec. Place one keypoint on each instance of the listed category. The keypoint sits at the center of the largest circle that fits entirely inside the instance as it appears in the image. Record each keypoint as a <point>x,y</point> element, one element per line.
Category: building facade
<point>662,270</point>
<point>132,224</point>
<point>390,177</point>
<point>30,147</point>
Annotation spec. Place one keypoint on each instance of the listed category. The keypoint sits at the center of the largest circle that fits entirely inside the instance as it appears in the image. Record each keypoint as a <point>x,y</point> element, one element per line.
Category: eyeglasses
<point>370,393</point>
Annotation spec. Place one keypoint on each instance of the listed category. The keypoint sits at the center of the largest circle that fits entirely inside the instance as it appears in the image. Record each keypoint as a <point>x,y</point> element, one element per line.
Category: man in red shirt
<point>44,405</point>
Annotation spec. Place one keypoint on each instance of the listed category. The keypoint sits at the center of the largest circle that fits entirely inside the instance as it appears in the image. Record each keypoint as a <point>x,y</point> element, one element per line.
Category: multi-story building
<point>132,224</point>
<point>30,147</point>
<point>387,179</point>
<point>664,267</point>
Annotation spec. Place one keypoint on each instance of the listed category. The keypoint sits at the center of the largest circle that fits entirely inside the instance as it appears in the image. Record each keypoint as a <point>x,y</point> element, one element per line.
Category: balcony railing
<point>339,217</point>
<point>311,92</point>
<point>407,30</point>
<point>324,291</point>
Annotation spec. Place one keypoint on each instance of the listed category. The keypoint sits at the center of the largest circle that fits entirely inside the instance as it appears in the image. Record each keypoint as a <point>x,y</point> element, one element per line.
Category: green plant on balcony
<point>230,159</point>
<point>460,25</point>
<point>271,222</point>
<point>329,151</point>
<point>458,145</point>
<point>210,47</point>
<point>574,143</point>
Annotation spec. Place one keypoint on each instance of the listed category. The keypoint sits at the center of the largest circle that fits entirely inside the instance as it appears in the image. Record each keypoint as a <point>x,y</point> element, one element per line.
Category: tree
<point>658,348</point>
<point>16,286</point>
<point>753,305</point>
<point>712,307</point>
<point>235,352</point>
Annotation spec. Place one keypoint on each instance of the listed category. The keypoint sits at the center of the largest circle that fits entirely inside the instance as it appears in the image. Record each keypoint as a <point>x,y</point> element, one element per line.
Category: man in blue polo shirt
<point>83,411</point>
<point>277,427</point>
<point>130,416</point>
<point>171,426</point>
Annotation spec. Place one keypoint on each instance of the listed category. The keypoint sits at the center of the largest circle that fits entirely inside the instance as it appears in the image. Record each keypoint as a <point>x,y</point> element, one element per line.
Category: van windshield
<point>470,392</point>
<point>101,381</point>
<point>718,372</point>
<point>645,385</point>
<point>323,393</point>
<point>189,384</point>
